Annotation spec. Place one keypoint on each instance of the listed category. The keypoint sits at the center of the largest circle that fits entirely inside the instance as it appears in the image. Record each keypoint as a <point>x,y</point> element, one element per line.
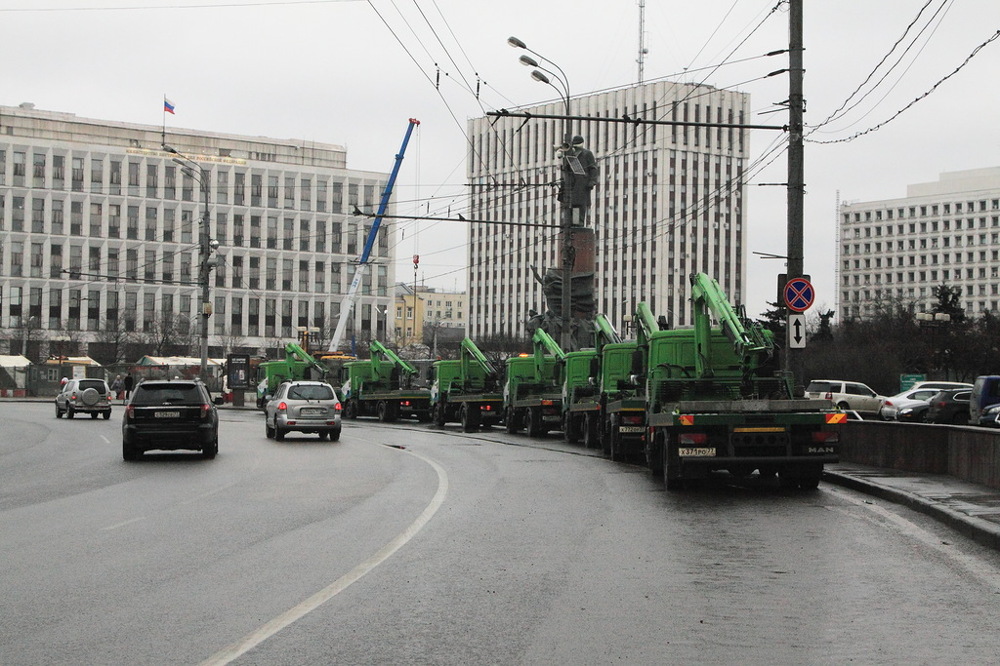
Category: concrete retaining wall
<point>964,452</point>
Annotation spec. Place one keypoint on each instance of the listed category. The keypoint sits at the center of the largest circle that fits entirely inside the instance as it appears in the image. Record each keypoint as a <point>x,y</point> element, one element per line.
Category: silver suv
<point>303,406</point>
<point>87,396</point>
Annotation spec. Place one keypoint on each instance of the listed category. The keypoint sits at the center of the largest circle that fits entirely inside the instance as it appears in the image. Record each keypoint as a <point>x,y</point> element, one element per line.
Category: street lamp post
<point>205,247</point>
<point>566,210</point>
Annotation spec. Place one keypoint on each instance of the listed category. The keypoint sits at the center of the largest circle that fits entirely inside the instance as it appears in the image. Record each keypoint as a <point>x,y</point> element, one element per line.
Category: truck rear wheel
<point>470,418</point>
<point>533,422</point>
<point>591,425</point>
<point>571,428</point>
<point>654,455</point>
<point>511,421</point>
<point>439,414</point>
<point>352,409</point>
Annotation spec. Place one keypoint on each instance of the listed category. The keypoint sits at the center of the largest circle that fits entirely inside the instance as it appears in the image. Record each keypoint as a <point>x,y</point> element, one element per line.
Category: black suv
<point>170,414</point>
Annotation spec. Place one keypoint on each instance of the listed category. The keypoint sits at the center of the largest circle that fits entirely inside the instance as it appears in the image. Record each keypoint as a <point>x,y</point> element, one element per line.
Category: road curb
<point>981,531</point>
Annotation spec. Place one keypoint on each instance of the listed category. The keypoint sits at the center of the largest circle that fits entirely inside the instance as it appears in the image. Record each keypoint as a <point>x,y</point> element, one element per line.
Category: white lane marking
<point>974,566</point>
<point>123,523</point>
<point>106,440</point>
<point>296,613</point>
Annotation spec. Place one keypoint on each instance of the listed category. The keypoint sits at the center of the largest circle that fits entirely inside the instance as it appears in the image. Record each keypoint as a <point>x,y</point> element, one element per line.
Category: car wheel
<point>107,415</point>
<point>129,452</point>
<point>211,450</point>
<point>70,412</point>
<point>843,406</point>
<point>94,415</point>
<point>322,436</point>
<point>279,433</point>
<point>960,419</point>
<point>268,429</point>
<point>334,435</point>
<point>58,411</point>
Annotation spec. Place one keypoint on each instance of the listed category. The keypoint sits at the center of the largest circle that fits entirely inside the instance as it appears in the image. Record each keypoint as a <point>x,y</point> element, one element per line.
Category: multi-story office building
<point>942,233</point>
<point>670,202</point>
<point>100,227</point>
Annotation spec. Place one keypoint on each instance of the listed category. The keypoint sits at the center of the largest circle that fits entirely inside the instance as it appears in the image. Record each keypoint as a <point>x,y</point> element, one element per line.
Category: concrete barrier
<point>964,452</point>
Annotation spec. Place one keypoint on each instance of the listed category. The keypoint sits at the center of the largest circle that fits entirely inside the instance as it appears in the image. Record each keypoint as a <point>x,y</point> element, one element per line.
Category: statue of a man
<point>579,176</point>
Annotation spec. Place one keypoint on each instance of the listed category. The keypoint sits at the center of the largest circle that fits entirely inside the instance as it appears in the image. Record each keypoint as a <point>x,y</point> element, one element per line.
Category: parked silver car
<point>84,396</point>
<point>303,406</point>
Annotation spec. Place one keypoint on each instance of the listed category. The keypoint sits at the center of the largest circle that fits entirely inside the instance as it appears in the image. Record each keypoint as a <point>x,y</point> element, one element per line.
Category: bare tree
<point>113,343</point>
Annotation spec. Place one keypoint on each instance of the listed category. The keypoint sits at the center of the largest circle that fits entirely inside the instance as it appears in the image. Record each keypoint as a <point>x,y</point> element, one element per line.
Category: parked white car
<point>846,395</point>
<point>916,395</point>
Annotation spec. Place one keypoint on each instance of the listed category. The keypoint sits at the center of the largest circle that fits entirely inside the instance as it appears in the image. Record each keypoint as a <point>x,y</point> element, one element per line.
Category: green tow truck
<point>532,393</point>
<point>298,364</point>
<point>382,386</point>
<point>467,390</point>
<point>582,398</point>
<point>715,402</point>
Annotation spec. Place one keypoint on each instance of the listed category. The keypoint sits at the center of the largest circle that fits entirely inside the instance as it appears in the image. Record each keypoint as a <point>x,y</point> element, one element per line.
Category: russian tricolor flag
<point>168,106</point>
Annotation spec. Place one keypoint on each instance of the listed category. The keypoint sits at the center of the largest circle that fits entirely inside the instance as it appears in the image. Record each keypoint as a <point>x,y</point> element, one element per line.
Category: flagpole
<point>164,135</point>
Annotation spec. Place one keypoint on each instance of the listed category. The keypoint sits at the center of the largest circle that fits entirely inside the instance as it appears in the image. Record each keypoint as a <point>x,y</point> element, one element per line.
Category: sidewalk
<point>968,508</point>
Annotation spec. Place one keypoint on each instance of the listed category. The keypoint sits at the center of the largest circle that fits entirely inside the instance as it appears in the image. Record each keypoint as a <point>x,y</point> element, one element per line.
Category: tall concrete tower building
<point>669,202</point>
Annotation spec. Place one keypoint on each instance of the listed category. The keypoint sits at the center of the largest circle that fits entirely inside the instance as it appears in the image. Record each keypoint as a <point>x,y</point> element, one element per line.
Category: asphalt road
<point>409,545</point>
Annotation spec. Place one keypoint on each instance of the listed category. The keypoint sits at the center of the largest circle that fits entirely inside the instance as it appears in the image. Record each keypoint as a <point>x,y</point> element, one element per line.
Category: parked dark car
<point>950,406</point>
<point>984,407</point>
<point>914,413</point>
<point>170,414</point>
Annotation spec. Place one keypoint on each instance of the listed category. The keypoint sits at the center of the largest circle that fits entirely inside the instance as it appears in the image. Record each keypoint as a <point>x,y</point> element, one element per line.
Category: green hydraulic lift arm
<point>294,351</point>
<point>748,341</point>
<point>604,332</point>
<point>377,348</point>
<point>472,354</point>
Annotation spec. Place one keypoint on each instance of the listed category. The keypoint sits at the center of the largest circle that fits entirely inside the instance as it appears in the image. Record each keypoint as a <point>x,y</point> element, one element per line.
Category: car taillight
<point>72,396</point>
<point>130,411</point>
<point>338,407</point>
<point>689,438</point>
<point>829,396</point>
<point>206,409</point>
<point>282,406</point>
<point>888,403</point>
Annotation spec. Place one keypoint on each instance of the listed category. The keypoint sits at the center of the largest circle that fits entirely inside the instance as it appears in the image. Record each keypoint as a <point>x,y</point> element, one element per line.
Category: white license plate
<point>311,411</point>
<point>696,452</point>
<point>167,415</point>
<point>630,429</point>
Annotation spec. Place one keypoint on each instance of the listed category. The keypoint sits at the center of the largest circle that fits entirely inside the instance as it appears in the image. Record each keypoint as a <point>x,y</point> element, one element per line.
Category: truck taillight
<point>487,408</point>
<point>826,436</point>
<point>405,403</point>
<point>689,438</point>
<point>632,420</point>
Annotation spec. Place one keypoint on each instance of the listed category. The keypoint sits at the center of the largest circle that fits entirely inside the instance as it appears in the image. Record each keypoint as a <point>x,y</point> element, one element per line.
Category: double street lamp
<point>205,248</point>
<point>566,337</point>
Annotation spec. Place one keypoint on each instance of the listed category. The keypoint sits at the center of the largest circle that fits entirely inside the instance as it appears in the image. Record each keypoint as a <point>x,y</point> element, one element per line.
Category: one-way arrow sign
<point>796,331</point>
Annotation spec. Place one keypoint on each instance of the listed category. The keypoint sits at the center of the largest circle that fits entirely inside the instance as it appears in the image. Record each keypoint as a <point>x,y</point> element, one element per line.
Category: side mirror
<point>219,401</point>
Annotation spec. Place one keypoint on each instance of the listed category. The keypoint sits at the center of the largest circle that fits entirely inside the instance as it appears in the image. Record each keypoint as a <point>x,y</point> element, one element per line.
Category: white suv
<point>846,395</point>
<point>88,396</point>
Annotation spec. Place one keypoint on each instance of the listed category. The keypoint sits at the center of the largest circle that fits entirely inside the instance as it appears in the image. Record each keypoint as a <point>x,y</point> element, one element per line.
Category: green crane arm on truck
<point>377,348</point>
<point>543,342</point>
<point>294,352</point>
<point>604,332</point>
<point>471,355</point>
<point>750,343</point>
<point>645,323</point>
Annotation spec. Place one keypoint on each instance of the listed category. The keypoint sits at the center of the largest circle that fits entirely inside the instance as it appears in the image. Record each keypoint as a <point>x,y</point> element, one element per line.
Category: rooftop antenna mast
<point>642,38</point>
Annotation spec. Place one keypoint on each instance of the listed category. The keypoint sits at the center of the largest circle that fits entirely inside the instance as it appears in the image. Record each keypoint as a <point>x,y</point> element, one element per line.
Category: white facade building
<point>99,231</point>
<point>670,202</point>
<point>945,232</point>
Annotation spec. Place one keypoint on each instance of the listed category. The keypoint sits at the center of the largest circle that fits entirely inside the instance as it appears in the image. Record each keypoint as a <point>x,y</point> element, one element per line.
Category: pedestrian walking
<point>128,385</point>
<point>118,388</point>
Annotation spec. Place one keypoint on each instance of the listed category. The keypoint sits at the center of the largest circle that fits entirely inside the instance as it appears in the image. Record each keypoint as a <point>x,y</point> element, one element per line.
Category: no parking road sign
<point>799,294</point>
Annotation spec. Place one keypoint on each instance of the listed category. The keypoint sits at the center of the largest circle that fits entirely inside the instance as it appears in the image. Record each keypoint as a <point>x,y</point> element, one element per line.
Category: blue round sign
<point>799,294</point>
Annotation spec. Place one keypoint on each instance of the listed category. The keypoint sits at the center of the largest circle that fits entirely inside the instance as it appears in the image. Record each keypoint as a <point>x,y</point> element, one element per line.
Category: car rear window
<point>94,384</point>
<point>166,394</point>
<point>312,392</point>
<point>819,387</point>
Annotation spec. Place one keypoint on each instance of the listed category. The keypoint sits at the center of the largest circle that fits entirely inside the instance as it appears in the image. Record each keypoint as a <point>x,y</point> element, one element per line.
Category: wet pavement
<point>969,508</point>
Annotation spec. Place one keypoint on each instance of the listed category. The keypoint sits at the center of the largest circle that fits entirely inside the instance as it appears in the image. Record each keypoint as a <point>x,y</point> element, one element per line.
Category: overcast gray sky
<point>352,72</point>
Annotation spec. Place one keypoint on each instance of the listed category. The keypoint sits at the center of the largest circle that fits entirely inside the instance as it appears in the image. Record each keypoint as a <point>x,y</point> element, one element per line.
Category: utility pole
<point>796,166</point>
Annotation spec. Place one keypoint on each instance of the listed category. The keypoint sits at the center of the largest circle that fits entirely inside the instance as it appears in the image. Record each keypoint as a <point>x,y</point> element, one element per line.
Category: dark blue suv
<point>170,414</point>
